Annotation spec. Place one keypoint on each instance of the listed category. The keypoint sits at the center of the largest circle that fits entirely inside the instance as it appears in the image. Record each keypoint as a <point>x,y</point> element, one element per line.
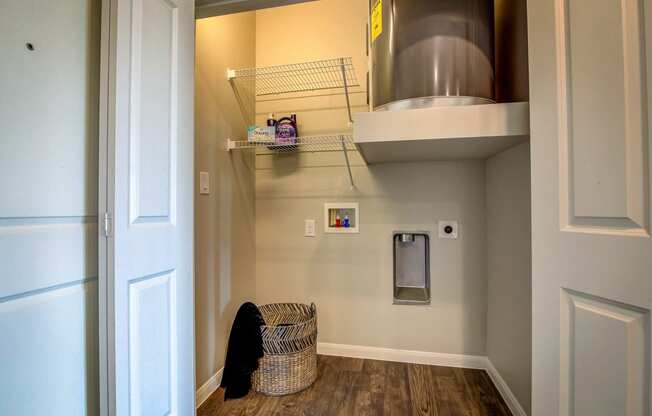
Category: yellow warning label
<point>376,20</point>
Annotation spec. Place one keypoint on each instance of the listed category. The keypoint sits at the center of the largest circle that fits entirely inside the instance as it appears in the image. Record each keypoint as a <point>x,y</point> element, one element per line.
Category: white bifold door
<point>148,311</point>
<point>590,85</point>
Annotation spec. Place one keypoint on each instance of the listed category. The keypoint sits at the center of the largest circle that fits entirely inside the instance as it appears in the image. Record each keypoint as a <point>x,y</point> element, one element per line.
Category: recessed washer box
<point>342,217</point>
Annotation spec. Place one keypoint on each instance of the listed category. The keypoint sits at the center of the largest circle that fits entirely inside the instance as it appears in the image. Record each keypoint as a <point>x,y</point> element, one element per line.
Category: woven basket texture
<point>290,345</point>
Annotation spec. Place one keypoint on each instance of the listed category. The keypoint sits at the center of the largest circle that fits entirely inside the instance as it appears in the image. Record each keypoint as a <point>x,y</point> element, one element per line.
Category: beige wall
<point>224,225</point>
<point>349,277</point>
<point>313,31</point>
<point>509,280</point>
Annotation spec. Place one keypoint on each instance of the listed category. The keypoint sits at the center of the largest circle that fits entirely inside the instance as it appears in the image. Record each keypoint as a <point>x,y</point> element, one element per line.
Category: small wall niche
<point>342,217</point>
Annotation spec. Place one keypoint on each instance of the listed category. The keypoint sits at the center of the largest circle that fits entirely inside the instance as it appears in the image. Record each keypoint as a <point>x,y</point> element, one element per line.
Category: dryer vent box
<point>411,267</point>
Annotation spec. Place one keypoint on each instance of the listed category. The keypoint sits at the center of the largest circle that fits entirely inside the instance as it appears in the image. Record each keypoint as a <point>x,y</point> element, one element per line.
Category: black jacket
<point>244,350</point>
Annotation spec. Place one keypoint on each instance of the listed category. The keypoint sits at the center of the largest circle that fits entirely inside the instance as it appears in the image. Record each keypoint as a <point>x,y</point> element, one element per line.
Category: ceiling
<point>209,8</point>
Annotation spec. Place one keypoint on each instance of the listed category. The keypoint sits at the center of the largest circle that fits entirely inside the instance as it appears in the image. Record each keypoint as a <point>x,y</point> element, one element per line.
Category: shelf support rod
<point>348,164</point>
<point>346,91</point>
<point>247,115</point>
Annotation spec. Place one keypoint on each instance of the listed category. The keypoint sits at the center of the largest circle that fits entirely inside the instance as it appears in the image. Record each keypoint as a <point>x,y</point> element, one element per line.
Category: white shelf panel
<point>299,77</point>
<point>441,133</point>
<point>322,143</point>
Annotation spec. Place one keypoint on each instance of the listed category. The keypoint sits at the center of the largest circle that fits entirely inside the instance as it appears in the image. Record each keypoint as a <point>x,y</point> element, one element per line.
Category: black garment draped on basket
<point>244,350</point>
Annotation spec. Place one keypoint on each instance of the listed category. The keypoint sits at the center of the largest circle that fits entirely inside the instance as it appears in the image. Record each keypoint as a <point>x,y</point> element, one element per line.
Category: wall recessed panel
<point>153,120</point>
<point>603,344</point>
<point>151,351</point>
<point>603,129</point>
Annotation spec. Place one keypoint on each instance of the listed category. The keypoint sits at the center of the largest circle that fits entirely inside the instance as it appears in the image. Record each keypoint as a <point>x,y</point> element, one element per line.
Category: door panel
<point>151,317</point>
<point>49,108</point>
<point>153,110</point>
<point>150,194</point>
<point>592,251</point>
<point>593,329</point>
<point>46,252</point>
<point>602,132</point>
<point>48,207</point>
<point>49,345</point>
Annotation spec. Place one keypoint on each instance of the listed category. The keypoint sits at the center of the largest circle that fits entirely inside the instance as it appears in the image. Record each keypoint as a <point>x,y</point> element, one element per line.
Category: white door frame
<point>105,157</point>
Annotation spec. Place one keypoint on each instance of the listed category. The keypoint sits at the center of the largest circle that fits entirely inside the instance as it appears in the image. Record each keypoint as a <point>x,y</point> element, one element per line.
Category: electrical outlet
<point>448,229</point>
<point>309,228</point>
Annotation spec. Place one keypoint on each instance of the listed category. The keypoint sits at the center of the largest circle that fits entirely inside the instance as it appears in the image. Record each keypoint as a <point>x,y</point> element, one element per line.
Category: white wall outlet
<point>204,183</point>
<point>448,229</point>
<point>310,228</point>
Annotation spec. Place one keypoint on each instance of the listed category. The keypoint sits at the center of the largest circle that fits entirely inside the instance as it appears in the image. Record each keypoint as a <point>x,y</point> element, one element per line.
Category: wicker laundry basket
<point>290,345</point>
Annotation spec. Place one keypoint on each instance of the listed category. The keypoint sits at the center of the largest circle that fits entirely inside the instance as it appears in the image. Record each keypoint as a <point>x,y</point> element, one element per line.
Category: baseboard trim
<point>429,358</point>
<point>402,356</point>
<point>504,390</point>
<point>208,387</point>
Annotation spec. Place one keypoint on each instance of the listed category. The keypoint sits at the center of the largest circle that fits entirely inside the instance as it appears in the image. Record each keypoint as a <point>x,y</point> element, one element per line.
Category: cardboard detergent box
<point>266,134</point>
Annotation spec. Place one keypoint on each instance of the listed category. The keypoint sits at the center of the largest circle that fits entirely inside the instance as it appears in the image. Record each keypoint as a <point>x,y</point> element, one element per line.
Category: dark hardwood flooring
<point>350,386</point>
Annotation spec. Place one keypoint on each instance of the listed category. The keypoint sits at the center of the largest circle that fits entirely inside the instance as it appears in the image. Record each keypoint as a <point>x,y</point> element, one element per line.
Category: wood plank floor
<point>350,386</point>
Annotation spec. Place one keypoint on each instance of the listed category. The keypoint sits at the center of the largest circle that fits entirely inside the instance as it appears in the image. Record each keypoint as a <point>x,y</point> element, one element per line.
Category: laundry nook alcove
<point>347,175</point>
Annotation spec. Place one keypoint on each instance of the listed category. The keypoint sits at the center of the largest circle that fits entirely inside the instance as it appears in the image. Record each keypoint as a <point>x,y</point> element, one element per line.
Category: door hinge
<point>107,224</point>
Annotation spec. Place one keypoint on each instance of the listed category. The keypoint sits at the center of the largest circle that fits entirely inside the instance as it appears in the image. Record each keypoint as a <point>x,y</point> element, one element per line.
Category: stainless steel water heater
<point>431,52</point>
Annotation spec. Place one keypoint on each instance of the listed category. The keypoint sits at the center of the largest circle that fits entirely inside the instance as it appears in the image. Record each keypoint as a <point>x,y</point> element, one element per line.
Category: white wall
<point>224,220</point>
<point>509,260</point>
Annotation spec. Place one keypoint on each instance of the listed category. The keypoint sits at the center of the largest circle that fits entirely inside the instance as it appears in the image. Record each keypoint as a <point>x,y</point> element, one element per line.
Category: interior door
<point>49,77</point>
<point>149,309</point>
<point>590,79</point>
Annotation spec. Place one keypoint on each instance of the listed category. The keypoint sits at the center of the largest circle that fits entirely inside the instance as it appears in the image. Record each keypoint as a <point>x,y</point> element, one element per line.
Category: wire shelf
<point>324,143</point>
<point>250,83</point>
<point>299,77</point>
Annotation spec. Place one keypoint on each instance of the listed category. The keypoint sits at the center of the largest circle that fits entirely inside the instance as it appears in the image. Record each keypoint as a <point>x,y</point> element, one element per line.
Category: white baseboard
<point>402,356</point>
<point>209,387</point>
<point>505,391</point>
<point>429,358</point>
